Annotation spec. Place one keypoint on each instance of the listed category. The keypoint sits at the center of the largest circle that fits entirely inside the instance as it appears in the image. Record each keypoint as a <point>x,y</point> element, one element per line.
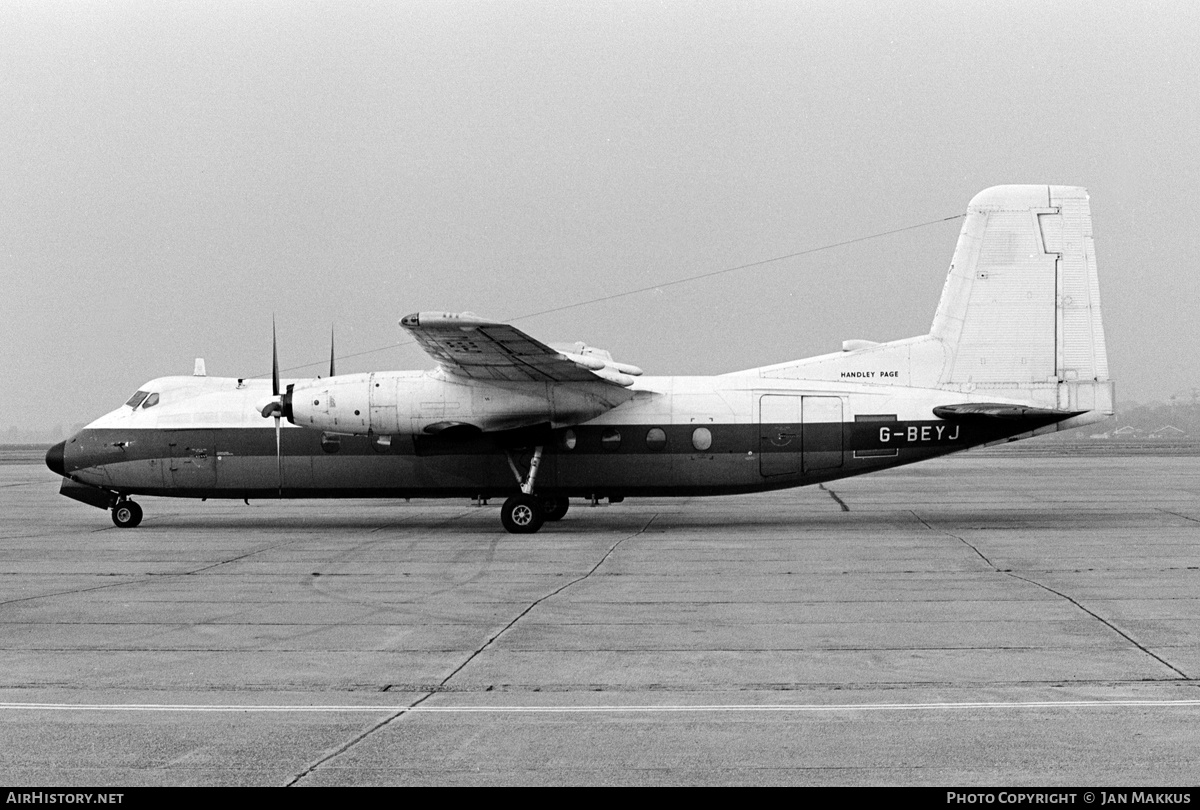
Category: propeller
<point>275,407</point>
<point>281,406</point>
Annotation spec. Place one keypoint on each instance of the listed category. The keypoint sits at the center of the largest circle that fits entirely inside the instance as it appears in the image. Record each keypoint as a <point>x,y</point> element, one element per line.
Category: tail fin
<point>1019,320</point>
<point>1020,311</point>
<point>1021,303</point>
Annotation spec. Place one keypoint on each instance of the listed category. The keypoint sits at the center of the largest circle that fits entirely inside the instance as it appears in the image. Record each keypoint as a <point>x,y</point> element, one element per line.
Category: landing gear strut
<point>525,513</point>
<point>126,514</point>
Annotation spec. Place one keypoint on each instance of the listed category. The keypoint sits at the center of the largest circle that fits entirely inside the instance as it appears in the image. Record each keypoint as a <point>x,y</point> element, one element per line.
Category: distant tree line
<point>1183,414</point>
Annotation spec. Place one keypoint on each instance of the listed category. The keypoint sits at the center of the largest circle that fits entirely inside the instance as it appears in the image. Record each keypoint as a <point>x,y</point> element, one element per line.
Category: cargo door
<point>779,434</point>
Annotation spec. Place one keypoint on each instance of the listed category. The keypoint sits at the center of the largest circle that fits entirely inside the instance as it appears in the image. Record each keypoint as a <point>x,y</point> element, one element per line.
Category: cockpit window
<point>151,401</point>
<point>137,398</point>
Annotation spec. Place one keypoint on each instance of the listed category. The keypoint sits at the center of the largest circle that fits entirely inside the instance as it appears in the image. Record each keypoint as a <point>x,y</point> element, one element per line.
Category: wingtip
<point>418,320</point>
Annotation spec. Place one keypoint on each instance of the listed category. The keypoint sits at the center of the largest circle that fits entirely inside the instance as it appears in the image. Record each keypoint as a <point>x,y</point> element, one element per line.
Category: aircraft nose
<point>54,459</point>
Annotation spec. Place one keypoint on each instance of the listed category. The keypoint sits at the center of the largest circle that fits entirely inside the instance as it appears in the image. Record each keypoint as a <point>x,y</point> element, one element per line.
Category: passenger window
<point>656,439</point>
<point>610,439</point>
<point>151,401</point>
<point>137,398</point>
<point>702,438</point>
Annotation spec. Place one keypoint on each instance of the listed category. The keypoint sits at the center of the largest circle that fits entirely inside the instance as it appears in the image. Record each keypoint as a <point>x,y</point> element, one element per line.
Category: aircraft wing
<point>467,345</point>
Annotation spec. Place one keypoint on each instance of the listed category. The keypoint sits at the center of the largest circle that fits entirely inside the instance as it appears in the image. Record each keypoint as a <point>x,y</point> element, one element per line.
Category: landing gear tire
<point>126,514</point>
<point>522,514</point>
<point>554,507</point>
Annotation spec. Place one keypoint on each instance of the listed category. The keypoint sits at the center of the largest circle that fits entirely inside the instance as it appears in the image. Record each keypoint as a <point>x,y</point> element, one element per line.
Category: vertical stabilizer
<point>1019,318</point>
<point>1020,311</point>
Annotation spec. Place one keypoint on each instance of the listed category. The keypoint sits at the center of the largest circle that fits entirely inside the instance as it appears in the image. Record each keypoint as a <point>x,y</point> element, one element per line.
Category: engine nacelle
<point>391,403</point>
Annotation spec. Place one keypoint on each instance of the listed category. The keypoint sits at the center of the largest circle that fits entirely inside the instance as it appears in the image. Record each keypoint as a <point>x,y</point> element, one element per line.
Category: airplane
<point>1016,349</point>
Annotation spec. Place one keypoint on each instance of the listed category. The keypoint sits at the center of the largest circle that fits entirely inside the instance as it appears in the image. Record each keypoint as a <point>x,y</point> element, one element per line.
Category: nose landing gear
<point>126,514</point>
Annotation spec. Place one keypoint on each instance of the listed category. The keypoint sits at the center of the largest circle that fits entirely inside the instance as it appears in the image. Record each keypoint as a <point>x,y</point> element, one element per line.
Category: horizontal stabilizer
<point>991,410</point>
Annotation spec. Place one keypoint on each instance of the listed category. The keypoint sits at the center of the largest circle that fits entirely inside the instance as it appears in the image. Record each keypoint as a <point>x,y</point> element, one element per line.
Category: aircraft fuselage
<point>1016,347</point>
<point>677,436</point>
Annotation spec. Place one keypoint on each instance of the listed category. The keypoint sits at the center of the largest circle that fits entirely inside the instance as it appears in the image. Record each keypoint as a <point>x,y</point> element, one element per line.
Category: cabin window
<point>656,438</point>
<point>137,398</point>
<point>331,442</point>
<point>702,438</point>
<point>151,401</point>
<point>382,444</point>
<point>568,440</point>
<point>610,439</point>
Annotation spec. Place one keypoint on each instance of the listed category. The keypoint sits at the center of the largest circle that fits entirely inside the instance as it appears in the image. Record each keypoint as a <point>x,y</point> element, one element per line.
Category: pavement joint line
<point>396,711</point>
<point>414,516</point>
<point>141,579</point>
<point>1074,602</point>
<point>219,563</point>
<point>834,495</point>
<point>930,526</point>
<point>541,599</point>
<point>149,577</point>
<point>1176,514</point>
<point>1107,624</point>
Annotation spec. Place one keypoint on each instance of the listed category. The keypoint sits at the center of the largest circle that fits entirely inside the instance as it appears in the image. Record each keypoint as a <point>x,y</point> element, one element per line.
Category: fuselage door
<point>382,398</point>
<point>779,434</point>
<point>193,458</point>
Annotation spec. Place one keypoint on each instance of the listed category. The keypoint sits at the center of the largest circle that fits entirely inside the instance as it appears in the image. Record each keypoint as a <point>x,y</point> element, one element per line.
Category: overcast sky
<point>171,174</point>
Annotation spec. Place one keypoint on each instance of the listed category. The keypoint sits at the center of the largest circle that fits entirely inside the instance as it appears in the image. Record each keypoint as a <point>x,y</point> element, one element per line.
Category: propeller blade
<point>274,360</point>
<point>331,370</point>
<point>275,408</point>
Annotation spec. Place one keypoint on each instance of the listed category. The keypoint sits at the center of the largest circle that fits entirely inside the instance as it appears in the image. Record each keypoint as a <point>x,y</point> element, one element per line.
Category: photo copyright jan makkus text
<point>1099,797</point>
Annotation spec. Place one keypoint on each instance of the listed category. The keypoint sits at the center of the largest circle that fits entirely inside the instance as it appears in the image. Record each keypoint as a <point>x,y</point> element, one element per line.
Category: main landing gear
<point>522,514</point>
<point>525,513</point>
<point>126,514</point>
<point>555,506</point>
